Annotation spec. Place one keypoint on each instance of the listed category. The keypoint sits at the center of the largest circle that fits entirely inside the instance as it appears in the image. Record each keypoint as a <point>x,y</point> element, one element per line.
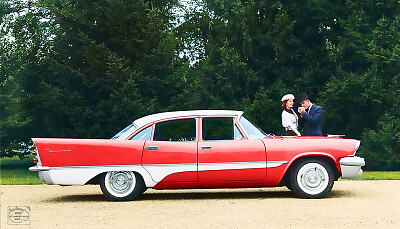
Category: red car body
<point>124,167</point>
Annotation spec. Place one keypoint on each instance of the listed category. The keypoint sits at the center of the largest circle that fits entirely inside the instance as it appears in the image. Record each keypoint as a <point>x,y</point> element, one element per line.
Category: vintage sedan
<point>196,149</point>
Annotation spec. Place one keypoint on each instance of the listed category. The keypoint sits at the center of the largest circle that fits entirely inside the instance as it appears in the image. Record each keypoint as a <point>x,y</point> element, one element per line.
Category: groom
<point>312,115</point>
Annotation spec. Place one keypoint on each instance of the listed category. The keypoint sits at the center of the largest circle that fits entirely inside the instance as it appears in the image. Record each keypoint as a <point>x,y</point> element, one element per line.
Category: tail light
<point>34,153</point>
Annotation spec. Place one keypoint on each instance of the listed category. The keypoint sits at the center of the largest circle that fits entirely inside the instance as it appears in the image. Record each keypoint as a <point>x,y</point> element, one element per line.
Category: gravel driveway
<point>352,204</point>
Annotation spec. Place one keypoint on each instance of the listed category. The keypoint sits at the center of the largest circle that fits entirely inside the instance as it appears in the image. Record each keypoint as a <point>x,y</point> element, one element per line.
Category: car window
<point>252,131</point>
<point>176,130</point>
<point>218,129</point>
<point>126,132</point>
<point>238,135</point>
<point>143,134</point>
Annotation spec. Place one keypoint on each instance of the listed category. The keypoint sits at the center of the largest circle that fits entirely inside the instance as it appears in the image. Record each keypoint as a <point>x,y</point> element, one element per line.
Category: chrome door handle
<point>205,147</point>
<point>152,148</point>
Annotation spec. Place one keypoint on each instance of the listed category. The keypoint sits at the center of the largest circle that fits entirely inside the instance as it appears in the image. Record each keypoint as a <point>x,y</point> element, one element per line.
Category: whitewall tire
<point>122,185</point>
<point>312,178</point>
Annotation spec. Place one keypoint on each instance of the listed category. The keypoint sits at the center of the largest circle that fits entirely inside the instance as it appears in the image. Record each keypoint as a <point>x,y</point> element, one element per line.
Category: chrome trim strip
<point>202,166</point>
<point>92,166</point>
<point>232,165</point>
<point>357,146</point>
<point>170,165</point>
<point>154,172</point>
<point>273,164</point>
<point>59,151</point>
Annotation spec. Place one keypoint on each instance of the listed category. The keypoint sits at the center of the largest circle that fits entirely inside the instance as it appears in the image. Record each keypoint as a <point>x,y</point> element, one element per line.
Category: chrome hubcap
<point>120,183</point>
<point>313,178</point>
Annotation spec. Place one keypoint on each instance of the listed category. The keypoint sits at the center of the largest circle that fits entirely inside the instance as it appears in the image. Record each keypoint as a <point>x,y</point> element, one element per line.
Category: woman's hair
<point>284,103</point>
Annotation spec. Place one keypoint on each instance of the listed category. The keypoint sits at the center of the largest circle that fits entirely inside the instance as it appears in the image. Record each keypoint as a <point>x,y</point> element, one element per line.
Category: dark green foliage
<point>361,99</point>
<point>382,146</point>
<point>86,69</point>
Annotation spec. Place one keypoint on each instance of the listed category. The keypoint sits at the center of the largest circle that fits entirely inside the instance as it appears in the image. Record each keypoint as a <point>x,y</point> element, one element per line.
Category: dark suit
<point>313,121</point>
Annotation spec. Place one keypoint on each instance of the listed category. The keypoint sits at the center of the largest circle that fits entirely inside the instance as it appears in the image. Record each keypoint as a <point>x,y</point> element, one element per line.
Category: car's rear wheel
<point>122,185</point>
<point>312,178</point>
<point>289,186</point>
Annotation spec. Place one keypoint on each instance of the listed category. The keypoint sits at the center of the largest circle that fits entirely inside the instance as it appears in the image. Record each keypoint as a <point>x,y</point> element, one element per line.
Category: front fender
<point>314,154</point>
<point>277,176</point>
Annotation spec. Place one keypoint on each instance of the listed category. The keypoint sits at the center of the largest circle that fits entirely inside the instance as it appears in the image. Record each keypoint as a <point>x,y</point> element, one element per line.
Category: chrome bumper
<point>38,168</point>
<point>43,172</point>
<point>351,166</point>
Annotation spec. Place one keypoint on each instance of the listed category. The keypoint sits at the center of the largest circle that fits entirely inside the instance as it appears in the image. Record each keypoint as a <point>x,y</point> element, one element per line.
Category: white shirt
<point>289,121</point>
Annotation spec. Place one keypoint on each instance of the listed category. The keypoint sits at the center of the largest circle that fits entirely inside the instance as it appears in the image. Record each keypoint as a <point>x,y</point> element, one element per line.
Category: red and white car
<point>197,149</point>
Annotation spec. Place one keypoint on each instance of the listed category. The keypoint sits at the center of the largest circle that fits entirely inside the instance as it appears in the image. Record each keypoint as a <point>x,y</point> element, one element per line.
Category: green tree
<point>84,69</point>
<point>88,68</point>
<point>361,99</point>
<point>381,147</point>
<point>253,52</point>
<point>23,46</point>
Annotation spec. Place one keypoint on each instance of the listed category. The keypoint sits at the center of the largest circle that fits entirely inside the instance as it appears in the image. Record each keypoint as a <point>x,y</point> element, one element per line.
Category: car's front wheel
<point>122,185</point>
<point>312,178</point>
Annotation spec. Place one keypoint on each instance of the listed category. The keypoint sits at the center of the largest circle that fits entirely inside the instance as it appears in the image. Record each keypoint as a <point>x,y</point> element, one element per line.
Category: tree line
<point>86,69</point>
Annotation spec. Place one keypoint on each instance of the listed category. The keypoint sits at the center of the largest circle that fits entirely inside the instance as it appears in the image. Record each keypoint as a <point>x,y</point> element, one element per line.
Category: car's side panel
<point>215,184</point>
<point>230,160</point>
<point>293,148</point>
<point>179,177</point>
<point>88,152</point>
<point>211,176</point>
<point>226,172</point>
<point>163,158</point>
<point>76,161</point>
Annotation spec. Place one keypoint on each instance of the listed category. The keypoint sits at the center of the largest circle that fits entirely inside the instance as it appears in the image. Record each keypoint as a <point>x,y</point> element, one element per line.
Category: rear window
<point>218,129</point>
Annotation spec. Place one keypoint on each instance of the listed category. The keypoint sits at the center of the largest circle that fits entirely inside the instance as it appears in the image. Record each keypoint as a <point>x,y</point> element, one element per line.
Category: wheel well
<point>286,177</point>
<point>96,179</point>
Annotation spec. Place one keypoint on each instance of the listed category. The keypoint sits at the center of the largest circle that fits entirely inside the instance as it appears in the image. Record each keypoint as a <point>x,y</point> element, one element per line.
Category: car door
<point>172,150</point>
<point>225,155</point>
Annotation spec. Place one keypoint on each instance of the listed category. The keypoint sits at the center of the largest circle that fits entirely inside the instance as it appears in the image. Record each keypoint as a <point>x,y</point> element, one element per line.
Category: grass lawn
<point>379,175</point>
<point>15,171</point>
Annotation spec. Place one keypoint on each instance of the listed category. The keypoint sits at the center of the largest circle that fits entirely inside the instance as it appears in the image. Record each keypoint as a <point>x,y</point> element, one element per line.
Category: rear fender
<point>77,161</point>
<point>56,152</point>
<point>80,175</point>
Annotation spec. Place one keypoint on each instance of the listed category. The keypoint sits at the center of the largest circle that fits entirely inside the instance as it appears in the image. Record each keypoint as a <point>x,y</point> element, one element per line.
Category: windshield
<point>252,131</point>
<point>123,134</point>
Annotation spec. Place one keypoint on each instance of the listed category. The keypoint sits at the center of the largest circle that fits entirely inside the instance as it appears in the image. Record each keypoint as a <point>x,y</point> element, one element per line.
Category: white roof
<point>175,114</point>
